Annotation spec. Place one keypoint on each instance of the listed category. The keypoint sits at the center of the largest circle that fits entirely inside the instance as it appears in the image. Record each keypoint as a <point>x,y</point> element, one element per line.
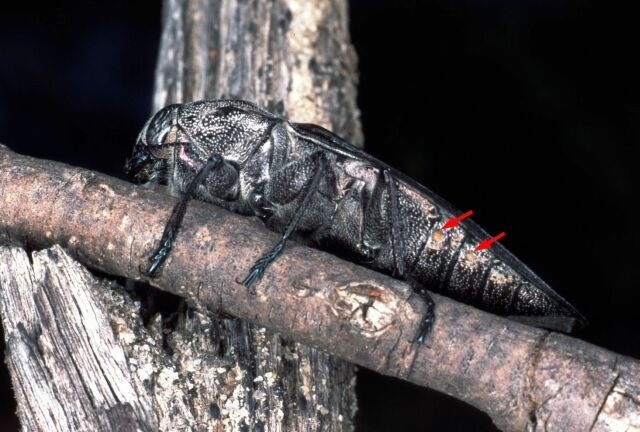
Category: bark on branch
<point>522,377</point>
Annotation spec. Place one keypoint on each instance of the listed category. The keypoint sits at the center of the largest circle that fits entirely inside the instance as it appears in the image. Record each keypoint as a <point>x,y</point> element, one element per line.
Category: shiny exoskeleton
<point>304,181</point>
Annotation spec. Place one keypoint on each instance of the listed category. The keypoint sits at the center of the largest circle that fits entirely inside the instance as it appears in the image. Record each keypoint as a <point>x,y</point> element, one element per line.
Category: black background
<point>526,112</point>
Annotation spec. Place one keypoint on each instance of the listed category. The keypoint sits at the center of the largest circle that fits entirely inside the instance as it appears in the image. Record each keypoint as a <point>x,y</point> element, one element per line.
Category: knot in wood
<point>366,306</point>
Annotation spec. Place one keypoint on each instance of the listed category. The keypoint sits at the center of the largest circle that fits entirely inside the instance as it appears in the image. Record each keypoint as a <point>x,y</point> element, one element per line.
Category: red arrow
<point>454,221</point>
<point>486,243</point>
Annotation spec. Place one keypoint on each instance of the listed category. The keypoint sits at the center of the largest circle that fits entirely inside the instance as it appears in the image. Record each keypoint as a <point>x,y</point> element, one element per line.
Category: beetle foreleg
<point>259,267</point>
<point>171,229</point>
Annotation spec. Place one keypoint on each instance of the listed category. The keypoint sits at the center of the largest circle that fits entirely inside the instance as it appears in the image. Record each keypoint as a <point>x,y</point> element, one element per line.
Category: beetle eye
<point>161,152</point>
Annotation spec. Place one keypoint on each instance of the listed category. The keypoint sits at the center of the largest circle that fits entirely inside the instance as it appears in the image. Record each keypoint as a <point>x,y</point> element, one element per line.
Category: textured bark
<point>68,368</point>
<point>291,57</point>
<point>524,378</point>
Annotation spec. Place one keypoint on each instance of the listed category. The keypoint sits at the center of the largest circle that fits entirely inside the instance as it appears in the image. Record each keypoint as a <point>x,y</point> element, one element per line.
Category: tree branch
<point>522,377</point>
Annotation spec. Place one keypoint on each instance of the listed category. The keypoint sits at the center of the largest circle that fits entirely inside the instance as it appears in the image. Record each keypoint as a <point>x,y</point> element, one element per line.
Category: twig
<point>522,377</point>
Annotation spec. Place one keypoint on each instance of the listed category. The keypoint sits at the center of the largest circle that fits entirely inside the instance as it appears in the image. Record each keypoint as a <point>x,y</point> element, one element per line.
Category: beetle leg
<point>259,267</point>
<point>171,229</point>
<point>397,245</point>
<point>428,318</point>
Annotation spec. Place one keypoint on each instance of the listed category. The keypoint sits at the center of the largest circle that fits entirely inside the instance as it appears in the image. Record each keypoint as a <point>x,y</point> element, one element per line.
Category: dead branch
<point>522,377</point>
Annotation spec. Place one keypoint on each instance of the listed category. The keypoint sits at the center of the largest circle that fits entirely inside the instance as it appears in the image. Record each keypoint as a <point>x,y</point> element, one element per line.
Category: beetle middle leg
<point>215,161</point>
<point>259,267</point>
<point>397,245</point>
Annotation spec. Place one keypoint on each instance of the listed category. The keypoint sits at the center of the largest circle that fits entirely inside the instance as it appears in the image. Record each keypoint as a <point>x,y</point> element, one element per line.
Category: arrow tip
<point>450,223</point>
<point>487,243</point>
<point>484,244</point>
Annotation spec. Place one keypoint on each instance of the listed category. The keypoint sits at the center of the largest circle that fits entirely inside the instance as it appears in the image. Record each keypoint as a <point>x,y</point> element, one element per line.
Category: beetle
<point>306,182</point>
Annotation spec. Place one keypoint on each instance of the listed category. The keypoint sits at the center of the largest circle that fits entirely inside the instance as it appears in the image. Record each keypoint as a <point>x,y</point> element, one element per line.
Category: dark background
<point>526,112</point>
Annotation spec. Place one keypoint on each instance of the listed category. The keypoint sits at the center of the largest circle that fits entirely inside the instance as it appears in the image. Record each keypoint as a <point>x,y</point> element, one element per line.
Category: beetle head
<point>154,146</point>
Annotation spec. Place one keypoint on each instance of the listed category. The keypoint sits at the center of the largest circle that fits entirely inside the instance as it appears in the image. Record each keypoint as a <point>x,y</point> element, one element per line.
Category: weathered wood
<point>292,57</point>
<point>69,370</point>
<point>81,359</point>
<point>524,378</point>
<point>295,58</point>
